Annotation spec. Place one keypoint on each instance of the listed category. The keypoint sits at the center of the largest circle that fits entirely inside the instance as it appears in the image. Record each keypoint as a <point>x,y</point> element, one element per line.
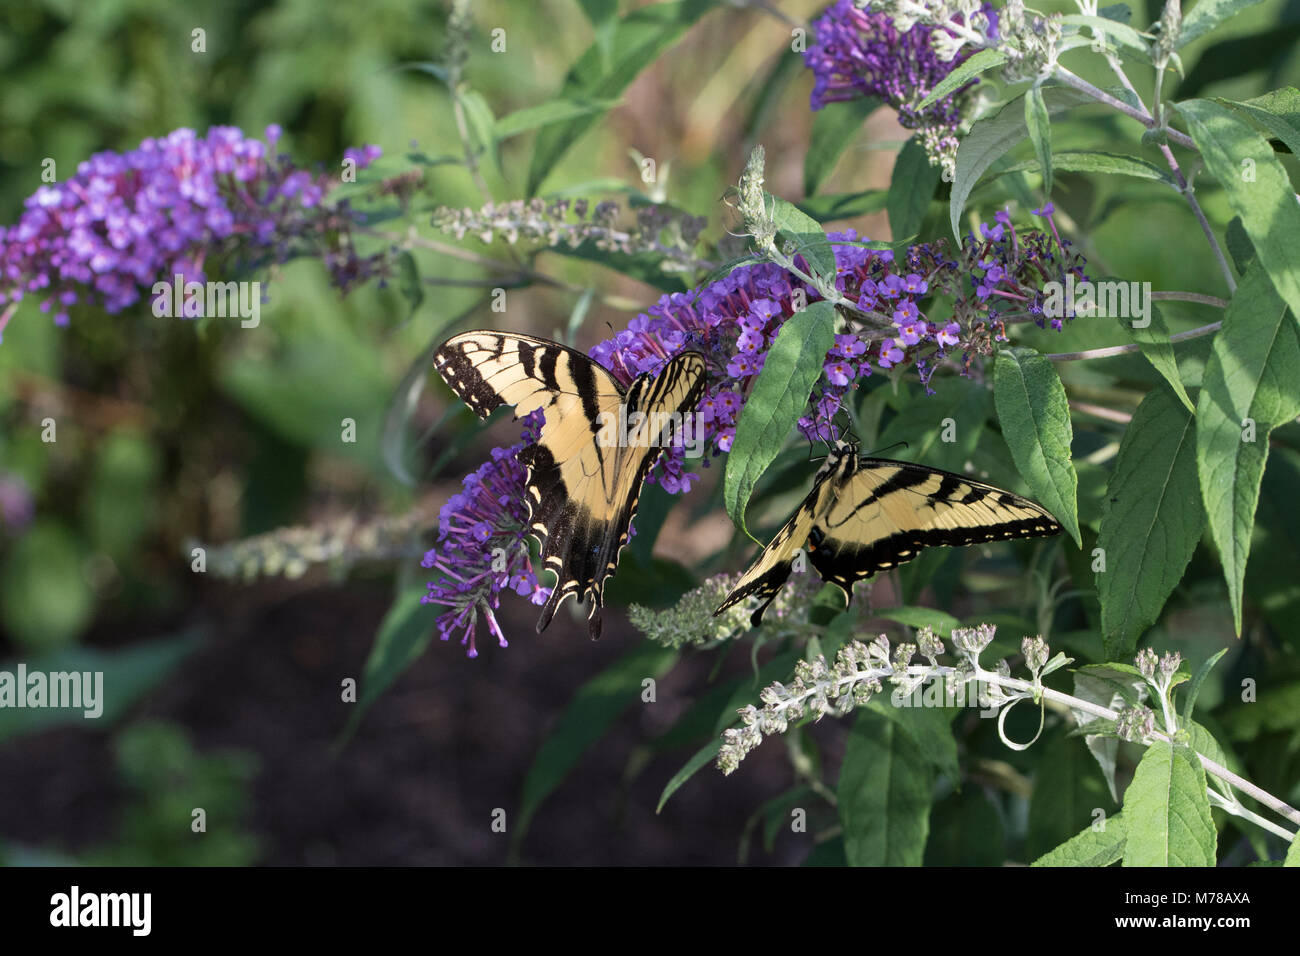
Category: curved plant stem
<point>1141,115</point>
<point>1185,188</point>
<point>1108,351</point>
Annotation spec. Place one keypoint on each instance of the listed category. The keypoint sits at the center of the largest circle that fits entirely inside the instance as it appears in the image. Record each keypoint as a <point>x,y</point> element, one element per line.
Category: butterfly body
<point>582,489</point>
<point>866,515</point>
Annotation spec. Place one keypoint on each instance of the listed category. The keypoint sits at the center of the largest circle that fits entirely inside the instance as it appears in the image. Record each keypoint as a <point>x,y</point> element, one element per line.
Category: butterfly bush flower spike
<point>482,547</point>
<point>171,206</point>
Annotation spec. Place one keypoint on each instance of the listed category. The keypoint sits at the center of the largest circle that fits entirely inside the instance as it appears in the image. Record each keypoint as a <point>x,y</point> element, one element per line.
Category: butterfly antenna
<point>887,447</point>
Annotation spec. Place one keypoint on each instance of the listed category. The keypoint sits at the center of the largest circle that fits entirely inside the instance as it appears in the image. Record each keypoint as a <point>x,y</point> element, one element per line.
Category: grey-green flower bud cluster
<point>658,229</point>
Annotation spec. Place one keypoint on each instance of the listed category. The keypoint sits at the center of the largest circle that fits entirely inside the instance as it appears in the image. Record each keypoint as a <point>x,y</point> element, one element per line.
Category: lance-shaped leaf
<point>1251,384</point>
<point>990,139</point>
<point>607,68</point>
<point>1151,521</point>
<point>793,365</point>
<point>1167,812</point>
<point>1090,847</point>
<point>884,795</point>
<point>834,127</point>
<point>1039,124</point>
<point>911,188</point>
<point>1035,420</point>
<point>1258,187</point>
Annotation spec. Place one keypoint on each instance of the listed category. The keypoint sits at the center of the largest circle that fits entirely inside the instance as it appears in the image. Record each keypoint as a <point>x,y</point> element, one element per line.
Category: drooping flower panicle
<point>126,221</point>
<point>860,52</point>
<point>482,546</point>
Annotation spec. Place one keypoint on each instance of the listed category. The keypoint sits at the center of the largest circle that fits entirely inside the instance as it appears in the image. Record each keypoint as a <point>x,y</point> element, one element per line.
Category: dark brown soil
<point>417,785</point>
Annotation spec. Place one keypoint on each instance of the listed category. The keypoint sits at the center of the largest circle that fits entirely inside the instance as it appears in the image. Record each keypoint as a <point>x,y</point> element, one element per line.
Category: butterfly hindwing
<point>867,515</point>
<point>766,576</point>
<point>582,487</point>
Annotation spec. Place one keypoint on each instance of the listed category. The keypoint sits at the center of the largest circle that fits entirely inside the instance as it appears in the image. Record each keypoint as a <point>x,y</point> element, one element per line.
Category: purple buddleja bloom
<point>482,546</point>
<point>16,505</point>
<point>733,322</point>
<point>172,206</point>
<point>859,53</point>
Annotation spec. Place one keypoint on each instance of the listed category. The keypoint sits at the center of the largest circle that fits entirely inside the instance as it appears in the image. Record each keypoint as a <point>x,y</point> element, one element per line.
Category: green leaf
<point>884,795</point>
<point>408,281</point>
<point>940,621</point>
<point>544,114</point>
<point>843,205</point>
<point>794,363</point>
<point>129,673</point>
<point>1194,689</point>
<point>607,68</point>
<point>1151,521</point>
<point>402,405</point>
<point>1258,189</point>
<point>911,189</point>
<point>1035,422</point>
<point>481,123</point>
<point>1068,791</point>
<point>704,755</point>
<point>965,830</point>
<point>794,225</point>
<point>1039,124</point>
<point>1248,388</point>
<point>1094,161</point>
<point>1204,742</point>
<point>647,267</point>
<point>920,422</point>
<point>1090,847</point>
<point>1293,853</point>
<point>46,600</point>
<point>930,729</point>
<point>981,62</point>
<point>585,720</point>
<point>1208,14</point>
<point>1277,113</point>
<point>1156,346</point>
<point>833,128</point>
<point>403,636</point>
<point>1168,812</point>
<point>990,139</point>
<point>603,15</point>
<point>1123,34</point>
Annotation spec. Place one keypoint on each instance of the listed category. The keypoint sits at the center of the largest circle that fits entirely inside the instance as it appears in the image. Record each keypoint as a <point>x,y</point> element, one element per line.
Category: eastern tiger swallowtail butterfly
<point>582,492</point>
<point>865,515</point>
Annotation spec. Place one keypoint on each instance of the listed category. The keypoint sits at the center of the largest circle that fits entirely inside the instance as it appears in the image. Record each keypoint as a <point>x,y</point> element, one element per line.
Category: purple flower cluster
<point>997,279</point>
<point>128,220</point>
<point>16,505</point>
<point>482,545</point>
<point>858,52</point>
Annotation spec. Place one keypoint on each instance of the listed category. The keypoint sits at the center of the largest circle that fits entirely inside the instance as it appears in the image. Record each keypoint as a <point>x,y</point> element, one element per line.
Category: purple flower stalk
<point>482,546</point>
<point>128,220</point>
<point>861,53</point>
<point>997,278</point>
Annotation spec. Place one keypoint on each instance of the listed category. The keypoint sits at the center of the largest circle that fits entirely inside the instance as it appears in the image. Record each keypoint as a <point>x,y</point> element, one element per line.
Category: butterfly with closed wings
<point>866,515</point>
<point>582,490</point>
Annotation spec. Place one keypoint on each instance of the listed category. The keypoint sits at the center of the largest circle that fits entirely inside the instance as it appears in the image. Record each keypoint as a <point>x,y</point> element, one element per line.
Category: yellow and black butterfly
<point>865,515</point>
<point>583,488</point>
